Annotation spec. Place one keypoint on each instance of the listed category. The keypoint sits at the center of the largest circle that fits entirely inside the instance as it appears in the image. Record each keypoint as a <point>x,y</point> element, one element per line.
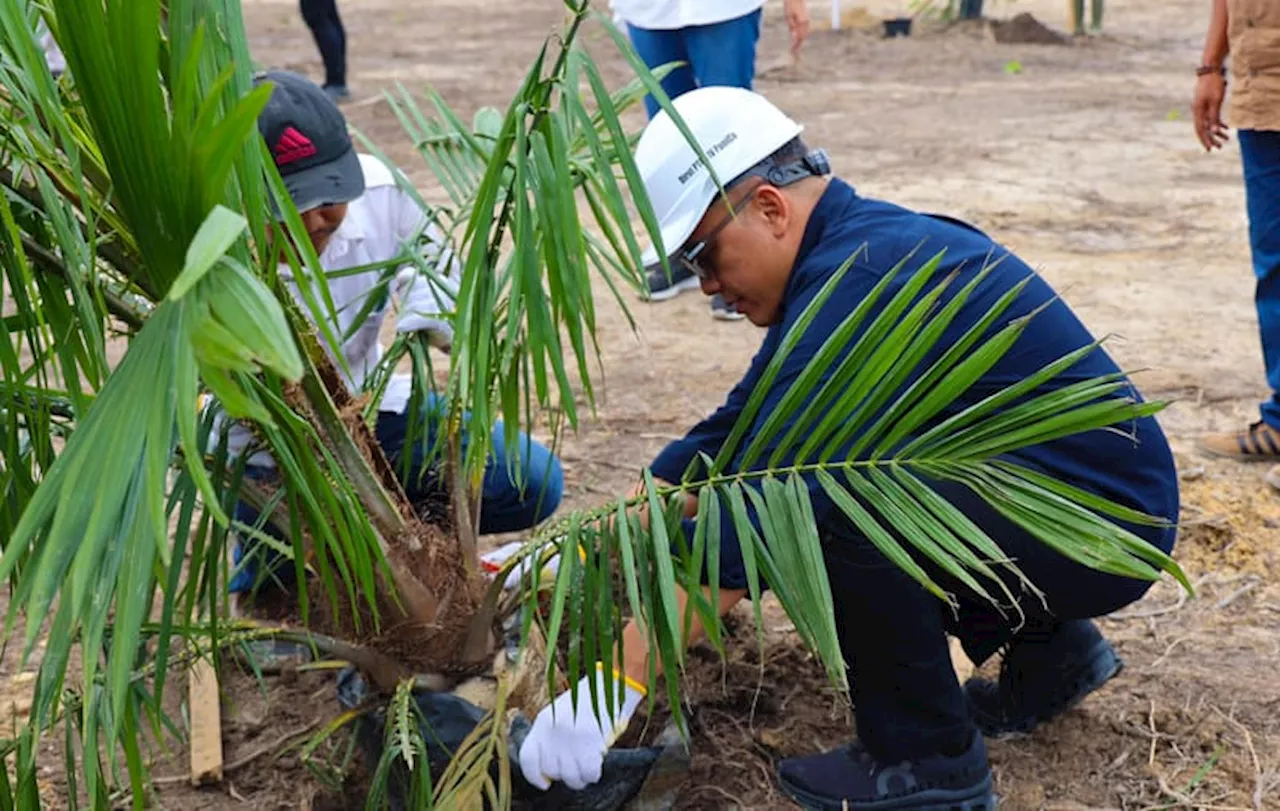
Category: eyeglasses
<point>691,257</point>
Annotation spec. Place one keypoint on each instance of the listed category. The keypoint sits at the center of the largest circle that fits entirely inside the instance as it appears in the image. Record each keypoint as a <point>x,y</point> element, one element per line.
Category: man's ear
<point>775,207</point>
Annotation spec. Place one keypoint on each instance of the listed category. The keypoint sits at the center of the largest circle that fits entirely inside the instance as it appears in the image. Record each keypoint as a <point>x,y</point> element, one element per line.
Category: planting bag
<point>445,722</point>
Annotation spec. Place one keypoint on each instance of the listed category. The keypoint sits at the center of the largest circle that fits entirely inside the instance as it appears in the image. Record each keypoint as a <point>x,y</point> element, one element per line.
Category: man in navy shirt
<point>790,228</point>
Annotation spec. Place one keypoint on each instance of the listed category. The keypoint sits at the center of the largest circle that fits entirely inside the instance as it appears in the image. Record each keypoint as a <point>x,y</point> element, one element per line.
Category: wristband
<point>627,680</point>
<point>1205,70</point>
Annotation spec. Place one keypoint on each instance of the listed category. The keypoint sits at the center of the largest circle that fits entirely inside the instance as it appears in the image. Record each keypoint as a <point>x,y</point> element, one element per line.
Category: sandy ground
<point>1080,158</point>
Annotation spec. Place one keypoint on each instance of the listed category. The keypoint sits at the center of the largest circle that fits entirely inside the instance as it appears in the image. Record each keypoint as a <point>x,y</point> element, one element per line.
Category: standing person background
<point>322,18</point>
<point>1077,17</point>
<point>1249,31</point>
<point>716,41</point>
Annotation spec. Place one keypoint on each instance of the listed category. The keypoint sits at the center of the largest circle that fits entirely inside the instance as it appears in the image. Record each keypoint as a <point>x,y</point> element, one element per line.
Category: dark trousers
<point>1260,152</point>
<point>322,18</point>
<point>907,702</point>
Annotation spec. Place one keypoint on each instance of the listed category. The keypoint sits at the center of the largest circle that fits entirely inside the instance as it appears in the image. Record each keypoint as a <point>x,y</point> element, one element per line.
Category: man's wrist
<point>1209,69</point>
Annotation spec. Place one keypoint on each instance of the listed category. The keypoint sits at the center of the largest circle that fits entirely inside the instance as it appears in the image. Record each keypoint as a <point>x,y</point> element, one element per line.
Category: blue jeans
<point>1260,151</point>
<point>505,506</point>
<point>720,54</point>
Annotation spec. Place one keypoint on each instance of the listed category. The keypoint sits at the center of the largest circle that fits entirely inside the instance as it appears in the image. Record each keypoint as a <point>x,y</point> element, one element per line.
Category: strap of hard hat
<point>815,163</point>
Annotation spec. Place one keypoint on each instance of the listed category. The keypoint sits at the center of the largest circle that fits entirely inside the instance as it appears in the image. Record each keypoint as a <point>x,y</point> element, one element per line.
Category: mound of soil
<point>748,711</point>
<point>1025,29</point>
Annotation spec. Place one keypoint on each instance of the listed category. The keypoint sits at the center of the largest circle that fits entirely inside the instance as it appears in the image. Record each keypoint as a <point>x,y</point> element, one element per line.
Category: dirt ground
<point>1079,157</point>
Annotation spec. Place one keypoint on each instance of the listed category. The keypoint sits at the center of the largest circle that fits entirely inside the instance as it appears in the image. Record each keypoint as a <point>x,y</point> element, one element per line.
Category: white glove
<point>439,332</point>
<point>569,743</point>
<point>424,299</point>
<point>493,561</point>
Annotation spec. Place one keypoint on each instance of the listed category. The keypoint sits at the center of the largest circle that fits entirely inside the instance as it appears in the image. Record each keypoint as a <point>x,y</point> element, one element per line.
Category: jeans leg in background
<point>506,505</point>
<point>724,54</point>
<point>322,18</point>
<point>261,557</point>
<point>660,47</point>
<point>1260,152</point>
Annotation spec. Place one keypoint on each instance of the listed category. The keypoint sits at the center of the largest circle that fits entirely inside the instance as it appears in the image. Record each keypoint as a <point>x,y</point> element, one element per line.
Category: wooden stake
<point>206,723</point>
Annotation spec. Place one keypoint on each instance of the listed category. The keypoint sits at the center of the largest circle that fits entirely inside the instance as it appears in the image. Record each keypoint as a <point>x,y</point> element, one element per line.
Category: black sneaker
<point>661,288</point>
<point>723,311</point>
<point>1041,678</point>
<point>850,778</point>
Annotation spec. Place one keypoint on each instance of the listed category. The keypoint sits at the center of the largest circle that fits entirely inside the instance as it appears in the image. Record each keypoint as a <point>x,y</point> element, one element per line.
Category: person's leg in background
<point>658,47</point>
<point>322,18</point>
<point>723,54</point>
<point>506,506</point>
<point>257,565</point>
<point>1260,154</point>
<point>517,493</point>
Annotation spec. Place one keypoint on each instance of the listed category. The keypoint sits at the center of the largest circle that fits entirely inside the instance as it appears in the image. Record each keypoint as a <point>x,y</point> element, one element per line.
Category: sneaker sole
<point>977,798</point>
<point>1103,666</point>
<point>727,315</point>
<point>674,290</point>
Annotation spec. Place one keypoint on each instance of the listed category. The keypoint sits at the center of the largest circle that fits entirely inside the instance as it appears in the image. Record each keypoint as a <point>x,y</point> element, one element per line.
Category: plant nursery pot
<point>897,27</point>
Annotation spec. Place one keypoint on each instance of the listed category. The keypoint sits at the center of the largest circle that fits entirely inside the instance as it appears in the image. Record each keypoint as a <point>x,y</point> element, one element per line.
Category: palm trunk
<point>438,591</point>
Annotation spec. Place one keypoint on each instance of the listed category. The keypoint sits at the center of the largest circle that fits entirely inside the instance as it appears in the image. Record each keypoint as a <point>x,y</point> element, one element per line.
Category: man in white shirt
<point>357,215</point>
<point>716,41</point>
<point>53,55</point>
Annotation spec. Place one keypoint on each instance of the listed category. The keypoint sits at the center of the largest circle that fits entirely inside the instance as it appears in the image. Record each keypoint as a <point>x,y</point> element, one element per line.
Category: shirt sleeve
<point>709,434</point>
<point>732,572</point>
<point>424,297</point>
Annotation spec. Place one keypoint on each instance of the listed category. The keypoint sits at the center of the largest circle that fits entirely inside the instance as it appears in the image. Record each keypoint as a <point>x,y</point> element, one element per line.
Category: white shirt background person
<point>378,227</point>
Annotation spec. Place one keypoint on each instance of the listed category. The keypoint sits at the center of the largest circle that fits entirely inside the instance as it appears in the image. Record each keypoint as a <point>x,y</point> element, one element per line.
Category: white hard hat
<point>735,128</point>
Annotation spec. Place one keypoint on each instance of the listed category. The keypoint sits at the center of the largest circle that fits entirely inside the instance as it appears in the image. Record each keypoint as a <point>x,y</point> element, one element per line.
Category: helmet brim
<point>675,234</point>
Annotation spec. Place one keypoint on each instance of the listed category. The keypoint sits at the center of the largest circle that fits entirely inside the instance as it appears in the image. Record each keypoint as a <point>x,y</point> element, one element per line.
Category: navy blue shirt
<point>1136,470</point>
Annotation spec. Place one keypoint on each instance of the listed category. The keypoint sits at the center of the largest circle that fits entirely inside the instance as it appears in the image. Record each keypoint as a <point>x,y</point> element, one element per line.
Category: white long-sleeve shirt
<point>665,15</point>
<point>53,56</point>
<point>378,225</point>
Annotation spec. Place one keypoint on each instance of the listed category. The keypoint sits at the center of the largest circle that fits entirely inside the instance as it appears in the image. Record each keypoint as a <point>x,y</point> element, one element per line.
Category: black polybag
<point>445,723</point>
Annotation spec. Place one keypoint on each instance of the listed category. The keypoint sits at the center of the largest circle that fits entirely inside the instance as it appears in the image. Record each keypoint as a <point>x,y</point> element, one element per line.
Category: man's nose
<point>710,286</point>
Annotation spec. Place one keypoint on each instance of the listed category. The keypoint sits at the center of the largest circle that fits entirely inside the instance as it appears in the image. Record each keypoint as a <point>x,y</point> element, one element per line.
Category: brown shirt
<point>1253,31</point>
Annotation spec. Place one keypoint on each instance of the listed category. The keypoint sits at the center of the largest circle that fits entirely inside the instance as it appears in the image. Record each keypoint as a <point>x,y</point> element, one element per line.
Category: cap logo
<point>711,152</point>
<point>293,146</point>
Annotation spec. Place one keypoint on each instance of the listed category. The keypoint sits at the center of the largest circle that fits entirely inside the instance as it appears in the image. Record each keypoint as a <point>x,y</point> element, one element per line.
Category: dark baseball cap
<point>307,134</point>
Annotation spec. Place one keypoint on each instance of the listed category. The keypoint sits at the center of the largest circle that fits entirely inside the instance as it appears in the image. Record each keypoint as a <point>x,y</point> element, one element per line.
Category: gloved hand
<point>569,742</point>
<point>438,331</point>
<point>493,561</point>
<point>424,300</point>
